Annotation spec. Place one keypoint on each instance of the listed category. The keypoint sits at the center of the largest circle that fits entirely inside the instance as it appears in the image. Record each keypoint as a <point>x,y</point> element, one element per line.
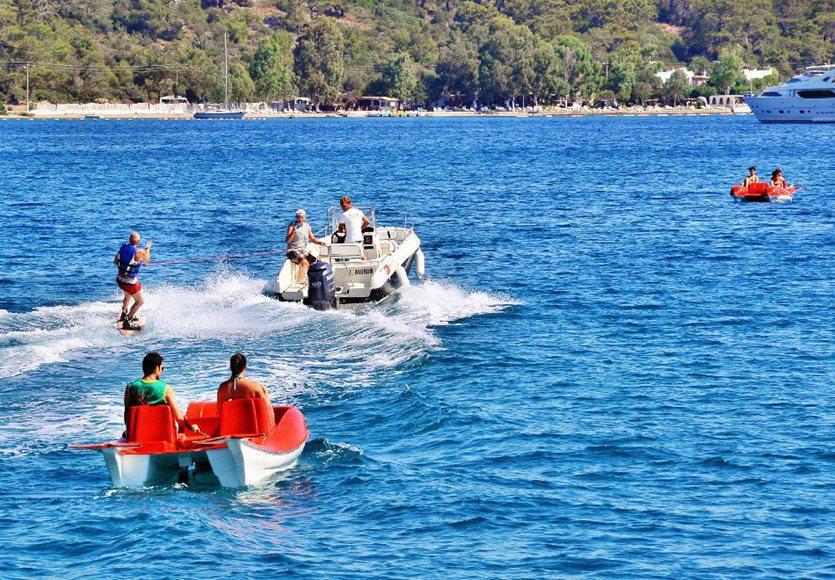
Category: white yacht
<point>806,98</point>
<point>347,274</point>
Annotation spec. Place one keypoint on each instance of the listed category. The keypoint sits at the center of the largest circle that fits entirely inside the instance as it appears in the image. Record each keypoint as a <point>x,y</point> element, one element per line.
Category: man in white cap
<point>299,234</point>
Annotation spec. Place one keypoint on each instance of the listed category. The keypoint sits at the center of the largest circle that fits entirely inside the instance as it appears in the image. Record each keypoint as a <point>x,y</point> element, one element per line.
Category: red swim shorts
<point>131,289</point>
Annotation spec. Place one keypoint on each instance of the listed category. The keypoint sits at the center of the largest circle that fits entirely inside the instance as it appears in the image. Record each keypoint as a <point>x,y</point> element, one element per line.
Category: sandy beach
<point>545,112</point>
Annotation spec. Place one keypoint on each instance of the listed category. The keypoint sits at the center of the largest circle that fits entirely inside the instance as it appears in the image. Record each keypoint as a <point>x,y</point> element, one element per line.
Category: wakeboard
<point>138,325</point>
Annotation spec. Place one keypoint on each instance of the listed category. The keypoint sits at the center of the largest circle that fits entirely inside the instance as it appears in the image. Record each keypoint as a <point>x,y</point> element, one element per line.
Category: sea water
<point>611,368</point>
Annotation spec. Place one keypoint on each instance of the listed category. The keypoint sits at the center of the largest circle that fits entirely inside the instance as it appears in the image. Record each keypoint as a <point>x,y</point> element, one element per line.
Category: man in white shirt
<point>352,221</point>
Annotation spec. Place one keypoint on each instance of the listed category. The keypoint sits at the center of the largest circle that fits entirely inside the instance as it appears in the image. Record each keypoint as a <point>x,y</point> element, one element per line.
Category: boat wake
<point>201,324</point>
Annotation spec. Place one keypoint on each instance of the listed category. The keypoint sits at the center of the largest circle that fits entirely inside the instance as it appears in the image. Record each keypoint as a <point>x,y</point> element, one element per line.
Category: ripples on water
<point>613,369</point>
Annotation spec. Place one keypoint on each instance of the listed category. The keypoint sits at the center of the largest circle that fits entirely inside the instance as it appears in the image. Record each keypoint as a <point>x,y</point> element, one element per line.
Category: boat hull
<point>762,193</point>
<point>219,115</point>
<point>242,463</point>
<point>792,109</point>
<point>139,470</point>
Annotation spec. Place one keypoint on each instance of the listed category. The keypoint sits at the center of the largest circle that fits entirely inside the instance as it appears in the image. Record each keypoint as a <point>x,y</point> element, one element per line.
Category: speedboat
<point>763,192</point>
<point>348,274</point>
<point>243,444</point>
<point>806,98</point>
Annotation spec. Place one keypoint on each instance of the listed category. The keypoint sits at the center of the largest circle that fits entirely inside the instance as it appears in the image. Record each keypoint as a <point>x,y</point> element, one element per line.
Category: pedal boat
<point>244,444</point>
<point>349,274</point>
<point>763,192</point>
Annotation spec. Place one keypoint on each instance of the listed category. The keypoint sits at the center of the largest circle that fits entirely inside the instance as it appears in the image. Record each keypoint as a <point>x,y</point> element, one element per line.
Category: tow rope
<point>216,258</point>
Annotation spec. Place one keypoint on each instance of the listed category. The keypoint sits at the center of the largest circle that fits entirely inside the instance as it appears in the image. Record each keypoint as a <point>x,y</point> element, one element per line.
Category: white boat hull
<point>240,463</point>
<point>135,470</point>
<point>792,110</point>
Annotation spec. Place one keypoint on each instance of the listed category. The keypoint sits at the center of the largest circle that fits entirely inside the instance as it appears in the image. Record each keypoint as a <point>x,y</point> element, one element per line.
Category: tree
<point>575,65</point>
<point>272,67</point>
<point>725,72</point>
<point>676,87</point>
<point>319,65</point>
<point>458,71</point>
<point>621,79</point>
<point>241,87</point>
<point>399,78</point>
<point>646,86</point>
<point>547,81</point>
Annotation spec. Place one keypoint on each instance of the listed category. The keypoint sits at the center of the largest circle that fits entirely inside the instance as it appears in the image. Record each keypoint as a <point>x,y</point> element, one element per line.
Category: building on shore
<point>755,74</point>
<point>695,79</point>
<point>373,103</point>
<point>733,102</point>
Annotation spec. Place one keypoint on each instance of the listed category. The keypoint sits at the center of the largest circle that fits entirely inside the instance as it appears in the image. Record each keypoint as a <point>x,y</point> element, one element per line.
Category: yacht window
<point>771,94</point>
<point>816,94</point>
<point>796,80</point>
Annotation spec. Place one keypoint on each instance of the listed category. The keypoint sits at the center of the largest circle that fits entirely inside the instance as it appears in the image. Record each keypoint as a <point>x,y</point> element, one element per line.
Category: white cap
<point>301,213</point>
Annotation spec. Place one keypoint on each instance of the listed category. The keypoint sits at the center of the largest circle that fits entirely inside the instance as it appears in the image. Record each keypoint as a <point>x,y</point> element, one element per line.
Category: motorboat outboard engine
<point>321,294</point>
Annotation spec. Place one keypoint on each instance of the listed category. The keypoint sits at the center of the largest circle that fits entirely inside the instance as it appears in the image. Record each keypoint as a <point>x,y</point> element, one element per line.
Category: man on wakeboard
<point>128,259</point>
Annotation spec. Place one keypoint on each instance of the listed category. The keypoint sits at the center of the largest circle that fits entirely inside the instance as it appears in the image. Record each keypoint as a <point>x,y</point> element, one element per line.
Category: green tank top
<point>147,393</point>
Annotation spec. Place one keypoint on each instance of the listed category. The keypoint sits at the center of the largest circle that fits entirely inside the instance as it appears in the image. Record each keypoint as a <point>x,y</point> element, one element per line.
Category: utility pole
<point>26,66</point>
<point>225,73</point>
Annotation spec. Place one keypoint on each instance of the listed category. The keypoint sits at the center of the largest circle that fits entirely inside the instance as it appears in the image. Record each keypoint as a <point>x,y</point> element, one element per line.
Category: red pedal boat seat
<point>245,416</point>
<point>153,426</point>
<point>204,416</point>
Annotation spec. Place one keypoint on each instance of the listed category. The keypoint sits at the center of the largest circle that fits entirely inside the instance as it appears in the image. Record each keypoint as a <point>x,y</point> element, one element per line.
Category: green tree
<point>725,72</point>
<point>547,82</point>
<point>272,67</point>
<point>241,87</point>
<point>676,87</point>
<point>319,60</point>
<point>575,65</point>
<point>621,79</point>
<point>458,71</point>
<point>399,77</point>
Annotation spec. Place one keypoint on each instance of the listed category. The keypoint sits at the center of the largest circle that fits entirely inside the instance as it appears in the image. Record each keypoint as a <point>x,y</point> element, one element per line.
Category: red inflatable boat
<point>244,443</point>
<point>762,192</point>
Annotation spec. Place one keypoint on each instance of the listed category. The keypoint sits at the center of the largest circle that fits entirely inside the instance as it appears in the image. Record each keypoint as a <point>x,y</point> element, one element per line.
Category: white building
<point>753,74</point>
<point>693,78</point>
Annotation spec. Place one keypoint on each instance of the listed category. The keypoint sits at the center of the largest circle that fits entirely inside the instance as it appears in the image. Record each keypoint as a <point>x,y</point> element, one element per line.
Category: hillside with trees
<point>486,51</point>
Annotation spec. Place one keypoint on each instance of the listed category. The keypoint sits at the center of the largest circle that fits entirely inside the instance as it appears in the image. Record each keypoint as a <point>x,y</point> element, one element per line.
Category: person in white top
<point>352,221</point>
<point>299,234</point>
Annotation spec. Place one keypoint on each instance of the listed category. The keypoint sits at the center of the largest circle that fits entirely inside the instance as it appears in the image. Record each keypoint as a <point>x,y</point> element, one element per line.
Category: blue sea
<point>612,369</point>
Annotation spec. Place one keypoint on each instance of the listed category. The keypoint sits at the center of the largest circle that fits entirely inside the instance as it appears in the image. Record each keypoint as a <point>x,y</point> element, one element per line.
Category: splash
<point>293,345</point>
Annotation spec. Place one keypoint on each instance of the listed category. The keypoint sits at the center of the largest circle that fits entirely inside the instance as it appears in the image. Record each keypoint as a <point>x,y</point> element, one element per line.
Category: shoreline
<point>670,112</point>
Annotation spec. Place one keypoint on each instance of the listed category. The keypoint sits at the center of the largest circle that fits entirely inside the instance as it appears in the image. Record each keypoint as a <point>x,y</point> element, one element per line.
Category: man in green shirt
<point>150,390</point>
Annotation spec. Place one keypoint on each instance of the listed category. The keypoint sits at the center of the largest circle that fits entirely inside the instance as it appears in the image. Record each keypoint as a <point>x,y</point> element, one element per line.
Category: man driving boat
<point>352,221</point>
<point>299,234</point>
